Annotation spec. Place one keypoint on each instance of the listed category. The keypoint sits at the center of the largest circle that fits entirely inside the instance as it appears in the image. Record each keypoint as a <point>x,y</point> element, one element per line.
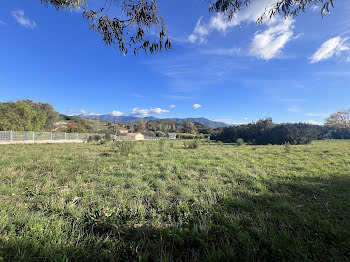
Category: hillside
<point>201,120</point>
<point>96,125</point>
<point>130,119</point>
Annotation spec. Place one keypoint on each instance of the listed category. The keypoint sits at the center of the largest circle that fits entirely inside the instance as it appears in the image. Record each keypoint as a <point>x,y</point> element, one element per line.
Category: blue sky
<point>237,72</point>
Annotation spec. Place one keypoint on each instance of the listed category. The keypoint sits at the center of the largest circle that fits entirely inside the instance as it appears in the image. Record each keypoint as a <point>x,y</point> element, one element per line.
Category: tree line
<point>265,131</point>
<point>27,115</point>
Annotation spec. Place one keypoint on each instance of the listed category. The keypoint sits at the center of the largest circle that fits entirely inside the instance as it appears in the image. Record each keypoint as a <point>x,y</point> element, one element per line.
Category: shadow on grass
<point>301,219</point>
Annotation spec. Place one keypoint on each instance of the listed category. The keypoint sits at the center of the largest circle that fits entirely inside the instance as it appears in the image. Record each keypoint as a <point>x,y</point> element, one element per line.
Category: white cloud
<point>223,51</point>
<point>145,112</point>
<point>199,33</point>
<point>225,121</point>
<point>116,113</point>
<point>317,114</point>
<point>328,49</point>
<point>202,30</point>
<point>229,122</point>
<point>172,106</point>
<point>2,23</point>
<point>81,113</point>
<point>134,112</point>
<point>315,8</point>
<point>177,97</point>
<point>246,118</point>
<point>22,20</point>
<point>255,10</point>
<point>295,109</point>
<point>196,106</point>
<point>269,43</point>
<point>312,122</point>
<point>221,24</point>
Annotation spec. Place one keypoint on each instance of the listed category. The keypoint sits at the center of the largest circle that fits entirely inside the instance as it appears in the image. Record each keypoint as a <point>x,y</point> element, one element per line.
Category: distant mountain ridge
<point>201,120</point>
<point>128,119</point>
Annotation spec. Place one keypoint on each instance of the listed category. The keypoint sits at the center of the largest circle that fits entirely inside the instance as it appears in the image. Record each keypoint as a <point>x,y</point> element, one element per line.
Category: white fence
<point>132,138</point>
<point>33,137</point>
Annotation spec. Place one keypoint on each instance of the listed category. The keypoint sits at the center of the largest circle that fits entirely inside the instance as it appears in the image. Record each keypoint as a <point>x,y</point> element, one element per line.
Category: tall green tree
<point>140,25</point>
<point>20,116</point>
<point>51,115</point>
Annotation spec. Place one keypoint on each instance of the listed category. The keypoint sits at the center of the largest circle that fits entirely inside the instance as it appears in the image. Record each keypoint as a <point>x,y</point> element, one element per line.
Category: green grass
<point>91,202</point>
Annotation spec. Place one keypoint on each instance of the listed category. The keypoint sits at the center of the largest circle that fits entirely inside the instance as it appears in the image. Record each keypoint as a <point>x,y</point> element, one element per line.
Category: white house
<point>172,136</point>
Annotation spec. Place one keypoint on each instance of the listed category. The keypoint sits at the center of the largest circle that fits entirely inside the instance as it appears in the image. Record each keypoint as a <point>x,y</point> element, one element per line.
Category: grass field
<point>164,202</point>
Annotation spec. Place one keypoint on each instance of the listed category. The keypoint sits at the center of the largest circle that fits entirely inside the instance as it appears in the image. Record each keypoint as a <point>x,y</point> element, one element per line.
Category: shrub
<point>161,144</point>
<point>287,147</point>
<point>149,149</point>
<point>102,142</point>
<point>240,142</point>
<point>108,137</point>
<point>185,144</point>
<point>193,144</point>
<point>94,138</point>
<point>160,134</point>
<point>125,147</point>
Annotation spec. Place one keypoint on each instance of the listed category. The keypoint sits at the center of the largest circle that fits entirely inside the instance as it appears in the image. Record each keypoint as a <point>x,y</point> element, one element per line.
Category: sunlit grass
<point>164,202</point>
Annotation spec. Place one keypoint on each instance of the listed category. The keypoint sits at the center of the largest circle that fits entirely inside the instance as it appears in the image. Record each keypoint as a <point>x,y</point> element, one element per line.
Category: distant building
<point>135,136</point>
<point>172,135</point>
<point>60,127</point>
<point>122,131</point>
<point>60,123</point>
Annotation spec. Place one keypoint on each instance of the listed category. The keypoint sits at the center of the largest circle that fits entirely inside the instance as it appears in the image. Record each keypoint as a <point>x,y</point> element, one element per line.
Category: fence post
<point>33,137</point>
<point>65,136</point>
<point>77,136</point>
<point>11,135</point>
<point>51,136</point>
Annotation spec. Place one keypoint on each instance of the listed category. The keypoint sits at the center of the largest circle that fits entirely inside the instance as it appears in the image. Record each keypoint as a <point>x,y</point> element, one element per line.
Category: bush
<point>185,144</point>
<point>160,134</point>
<point>102,142</point>
<point>192,144</point>
<point>94,138</point>
<point>126,147</point>
<point>161,144</point>
<point>287,147</point>
<point>240,142</point>
<point>108,137</point>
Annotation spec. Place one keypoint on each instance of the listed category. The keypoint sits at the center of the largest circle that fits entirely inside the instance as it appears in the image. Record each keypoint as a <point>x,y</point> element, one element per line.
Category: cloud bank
<point>145,112</point>
<point>134,112</point>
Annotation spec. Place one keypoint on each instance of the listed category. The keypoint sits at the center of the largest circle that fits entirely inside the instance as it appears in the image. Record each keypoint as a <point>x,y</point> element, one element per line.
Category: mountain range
<point>129,119</point>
